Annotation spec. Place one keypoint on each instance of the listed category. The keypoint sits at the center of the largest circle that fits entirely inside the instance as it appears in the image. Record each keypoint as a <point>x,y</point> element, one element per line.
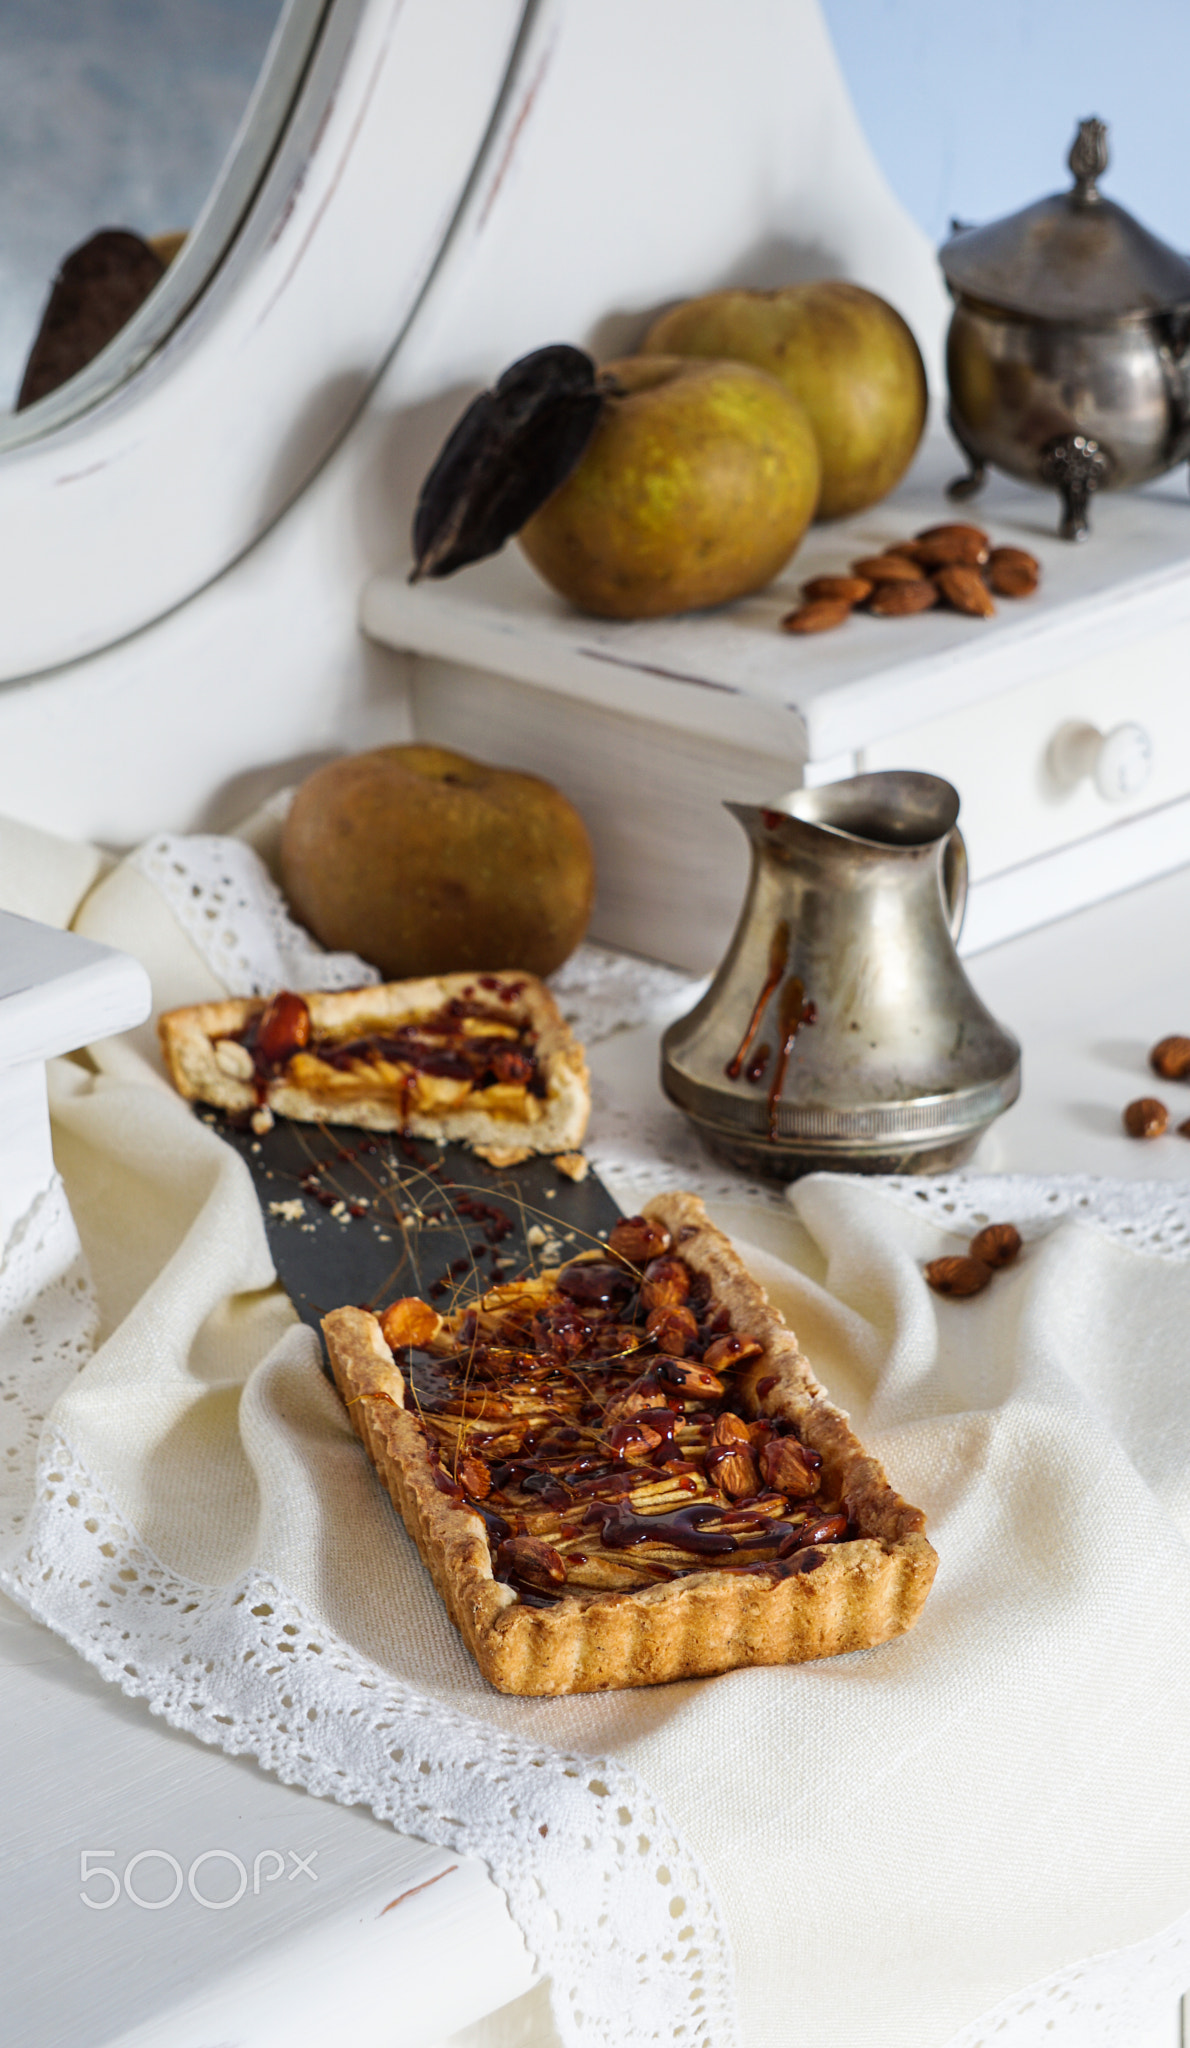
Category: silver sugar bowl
<point>841,1030</point>
<point>1067,358</point>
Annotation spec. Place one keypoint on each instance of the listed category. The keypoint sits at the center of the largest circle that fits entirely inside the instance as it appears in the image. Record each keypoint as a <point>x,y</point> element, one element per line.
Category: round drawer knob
<point>1118,762</point>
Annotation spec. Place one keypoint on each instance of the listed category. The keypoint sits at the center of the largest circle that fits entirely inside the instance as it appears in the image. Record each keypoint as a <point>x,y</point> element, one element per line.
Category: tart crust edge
<point>847,1596</point>
<point>187,1038</point>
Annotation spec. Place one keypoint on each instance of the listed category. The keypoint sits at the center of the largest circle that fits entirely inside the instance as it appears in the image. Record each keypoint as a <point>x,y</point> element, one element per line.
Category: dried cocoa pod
<point>945,547</point>
<point>958,1277</point>
<point>902,600</point>
<point>965,591</point>
<point>838,589</point>
<point>1170,1058</point>
<point>821,615</point>
<point>886,569</point>
<point>512,448</point>
<point>1146,1117</point>
<point>1013,572</point>
<point>997,1244</point>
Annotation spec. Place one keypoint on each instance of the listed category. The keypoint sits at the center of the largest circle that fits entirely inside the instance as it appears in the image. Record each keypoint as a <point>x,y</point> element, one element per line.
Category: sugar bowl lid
<point>1075,256</point>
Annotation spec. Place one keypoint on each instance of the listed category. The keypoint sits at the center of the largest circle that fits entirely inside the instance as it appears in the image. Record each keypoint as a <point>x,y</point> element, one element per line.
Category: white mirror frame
<point>120,514</point>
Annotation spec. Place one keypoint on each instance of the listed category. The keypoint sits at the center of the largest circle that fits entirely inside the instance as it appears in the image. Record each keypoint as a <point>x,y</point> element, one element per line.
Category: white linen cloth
<point>887,1844</point>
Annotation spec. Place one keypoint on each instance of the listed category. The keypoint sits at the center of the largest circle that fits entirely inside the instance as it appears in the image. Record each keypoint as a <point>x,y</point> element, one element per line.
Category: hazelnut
<point>1146,1117</point>
<point>1170,1058</point>
<point>409,1322</point>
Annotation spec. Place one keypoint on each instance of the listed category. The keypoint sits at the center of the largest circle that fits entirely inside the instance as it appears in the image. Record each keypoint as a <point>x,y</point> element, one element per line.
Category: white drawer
<point>997,753</point>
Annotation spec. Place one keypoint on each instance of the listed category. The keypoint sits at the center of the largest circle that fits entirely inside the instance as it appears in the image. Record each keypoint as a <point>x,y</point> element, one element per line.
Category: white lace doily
<point>230,908</point>
<point>48,1319</point>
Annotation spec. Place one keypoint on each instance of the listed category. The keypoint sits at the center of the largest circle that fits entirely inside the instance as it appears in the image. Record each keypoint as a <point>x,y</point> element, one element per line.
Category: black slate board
<point>365,1217</point>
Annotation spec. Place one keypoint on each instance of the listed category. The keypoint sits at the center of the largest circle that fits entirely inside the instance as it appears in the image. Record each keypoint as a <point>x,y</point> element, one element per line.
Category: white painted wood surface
<point>57,992</point>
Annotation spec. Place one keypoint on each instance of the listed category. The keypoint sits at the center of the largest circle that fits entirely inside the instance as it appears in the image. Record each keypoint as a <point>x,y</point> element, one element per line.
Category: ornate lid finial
<point>1088,160</point>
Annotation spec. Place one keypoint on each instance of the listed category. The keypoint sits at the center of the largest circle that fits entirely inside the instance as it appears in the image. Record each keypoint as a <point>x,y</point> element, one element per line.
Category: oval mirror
<point>136,138</point>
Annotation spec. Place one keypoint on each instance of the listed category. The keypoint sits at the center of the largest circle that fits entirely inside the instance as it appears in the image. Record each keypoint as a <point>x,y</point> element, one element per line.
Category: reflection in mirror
<point>136,132</point>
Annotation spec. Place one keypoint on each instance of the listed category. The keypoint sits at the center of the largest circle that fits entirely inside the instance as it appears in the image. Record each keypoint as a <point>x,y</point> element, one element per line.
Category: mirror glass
<point>135,134</point>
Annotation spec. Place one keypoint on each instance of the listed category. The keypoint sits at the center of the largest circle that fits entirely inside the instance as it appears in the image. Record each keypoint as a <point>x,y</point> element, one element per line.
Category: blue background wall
<point>971,108</point>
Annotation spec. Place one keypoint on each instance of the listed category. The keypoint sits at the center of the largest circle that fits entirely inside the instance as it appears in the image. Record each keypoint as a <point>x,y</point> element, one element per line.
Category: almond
<point>474,1478</point>
<point>672,1329</point>
<point>638,1239</point>
<point>944,547</point>
<point>838,589</point>
<point>732,1468</point>
<point>730,1429</point>
<point>958,1277</point>
<point>902,600</point>
<point>785,1467</point>
<point>1012,572</point>
<point>950,527</point>
<point>821,615</point>
<point>965,591</point>
<point>528,1558</point>
<point>997,1244</point>
<point>886,569</point>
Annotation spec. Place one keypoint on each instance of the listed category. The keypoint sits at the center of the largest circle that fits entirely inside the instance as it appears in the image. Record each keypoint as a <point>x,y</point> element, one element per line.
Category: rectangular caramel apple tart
<point>482,1059</point>
<point>622,1471</point>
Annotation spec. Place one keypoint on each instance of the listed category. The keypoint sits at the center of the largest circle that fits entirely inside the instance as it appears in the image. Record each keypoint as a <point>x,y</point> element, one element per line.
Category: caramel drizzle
<point>778,961</point>
<point>792,1012</point>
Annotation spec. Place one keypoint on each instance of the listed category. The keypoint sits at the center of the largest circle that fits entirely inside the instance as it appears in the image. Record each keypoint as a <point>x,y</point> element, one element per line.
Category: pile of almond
<point>955,565</point>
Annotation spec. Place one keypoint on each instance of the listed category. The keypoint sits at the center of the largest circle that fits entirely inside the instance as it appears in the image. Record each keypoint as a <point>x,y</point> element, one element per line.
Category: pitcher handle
<point>954,881</point>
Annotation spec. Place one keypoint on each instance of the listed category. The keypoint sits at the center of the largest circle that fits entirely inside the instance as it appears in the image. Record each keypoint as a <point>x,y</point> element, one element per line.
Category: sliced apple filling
<point>594,1418</point>
<point>426,1064</point>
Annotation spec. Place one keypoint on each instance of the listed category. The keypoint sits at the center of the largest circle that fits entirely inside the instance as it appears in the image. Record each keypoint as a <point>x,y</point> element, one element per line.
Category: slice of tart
<point>622,1471</point>
<point>484,1059</point>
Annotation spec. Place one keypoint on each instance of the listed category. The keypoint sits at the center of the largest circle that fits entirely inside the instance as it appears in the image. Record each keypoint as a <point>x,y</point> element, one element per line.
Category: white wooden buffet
<point>189,566</point>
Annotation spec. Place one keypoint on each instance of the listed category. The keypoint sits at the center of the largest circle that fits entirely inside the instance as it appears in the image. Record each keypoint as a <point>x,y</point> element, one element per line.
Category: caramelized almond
<point>638,1239</point>
<point>785,1466</point>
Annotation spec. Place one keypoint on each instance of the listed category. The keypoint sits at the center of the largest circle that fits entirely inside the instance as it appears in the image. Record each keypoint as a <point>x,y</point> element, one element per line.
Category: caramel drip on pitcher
<point>778,961</point>
<point>792,1012</point>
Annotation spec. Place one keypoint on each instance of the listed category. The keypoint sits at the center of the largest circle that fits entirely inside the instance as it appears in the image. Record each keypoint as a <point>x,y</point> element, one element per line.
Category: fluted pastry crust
<point>841,1597</point>
<point>553,1123</point>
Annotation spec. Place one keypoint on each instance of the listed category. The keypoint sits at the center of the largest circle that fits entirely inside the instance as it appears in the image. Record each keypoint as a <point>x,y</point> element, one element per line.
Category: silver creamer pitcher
<point>841,1030</point>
